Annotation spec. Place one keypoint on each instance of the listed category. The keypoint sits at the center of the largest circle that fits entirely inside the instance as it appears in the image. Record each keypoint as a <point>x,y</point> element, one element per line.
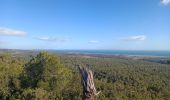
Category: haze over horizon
<point>85,24</point>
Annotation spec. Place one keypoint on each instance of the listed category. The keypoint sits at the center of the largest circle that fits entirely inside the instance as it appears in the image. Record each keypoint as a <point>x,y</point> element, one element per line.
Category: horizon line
<point>84,49</point>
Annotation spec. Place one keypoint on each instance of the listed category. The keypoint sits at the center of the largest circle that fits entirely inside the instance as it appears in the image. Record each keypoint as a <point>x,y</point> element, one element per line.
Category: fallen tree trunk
<point>89,90</point>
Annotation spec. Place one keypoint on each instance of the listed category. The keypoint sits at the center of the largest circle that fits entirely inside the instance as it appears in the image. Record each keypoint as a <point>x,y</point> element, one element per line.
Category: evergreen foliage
<point>43,77</point>
<point>47,76</point>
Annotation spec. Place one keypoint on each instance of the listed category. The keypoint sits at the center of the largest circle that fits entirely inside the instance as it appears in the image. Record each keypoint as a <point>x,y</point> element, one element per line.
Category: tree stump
<point>89,90</point>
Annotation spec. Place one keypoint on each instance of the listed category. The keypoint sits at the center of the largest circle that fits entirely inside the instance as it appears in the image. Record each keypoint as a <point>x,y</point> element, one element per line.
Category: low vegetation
<point>50,77</point>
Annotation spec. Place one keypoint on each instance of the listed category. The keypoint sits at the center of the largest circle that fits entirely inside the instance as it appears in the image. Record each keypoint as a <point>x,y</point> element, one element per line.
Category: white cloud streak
<point>93,41</point>
<point>136,38</point>
<point>11,32</point>
<point>52,39</point>
<point>3,43</point>
<point>165,2</point>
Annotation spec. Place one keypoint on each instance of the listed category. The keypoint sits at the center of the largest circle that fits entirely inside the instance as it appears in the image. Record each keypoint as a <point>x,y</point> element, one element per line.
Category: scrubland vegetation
<point>50,77</point>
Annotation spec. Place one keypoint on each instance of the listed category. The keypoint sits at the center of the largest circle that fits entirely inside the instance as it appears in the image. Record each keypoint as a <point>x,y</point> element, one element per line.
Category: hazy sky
<point>85,24</point>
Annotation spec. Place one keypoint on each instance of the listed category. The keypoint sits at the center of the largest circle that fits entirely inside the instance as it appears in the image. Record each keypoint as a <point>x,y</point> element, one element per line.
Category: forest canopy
<point>43,77</point>
<point>47,76</point>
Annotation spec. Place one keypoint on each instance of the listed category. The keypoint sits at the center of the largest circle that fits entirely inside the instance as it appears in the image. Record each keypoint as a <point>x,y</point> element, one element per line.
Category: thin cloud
<point>93,41</point>
<point>136,38</point>
<point>1,42</point>
<point>52,39</point>
<point>165,2</point>
<point>11,32</point>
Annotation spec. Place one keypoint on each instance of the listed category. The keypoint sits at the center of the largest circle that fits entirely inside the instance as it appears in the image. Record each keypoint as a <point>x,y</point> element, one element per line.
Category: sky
<point>85,24</point>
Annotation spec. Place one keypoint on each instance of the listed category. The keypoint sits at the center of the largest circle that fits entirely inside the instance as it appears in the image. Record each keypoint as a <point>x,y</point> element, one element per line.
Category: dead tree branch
<point>89,90</point>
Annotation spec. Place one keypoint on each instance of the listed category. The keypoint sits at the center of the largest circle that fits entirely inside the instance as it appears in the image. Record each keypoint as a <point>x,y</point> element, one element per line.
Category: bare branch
<point>89,90</point>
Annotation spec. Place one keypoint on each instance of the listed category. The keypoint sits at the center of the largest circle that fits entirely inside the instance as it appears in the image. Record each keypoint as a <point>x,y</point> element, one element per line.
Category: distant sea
<point>118,52</point>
